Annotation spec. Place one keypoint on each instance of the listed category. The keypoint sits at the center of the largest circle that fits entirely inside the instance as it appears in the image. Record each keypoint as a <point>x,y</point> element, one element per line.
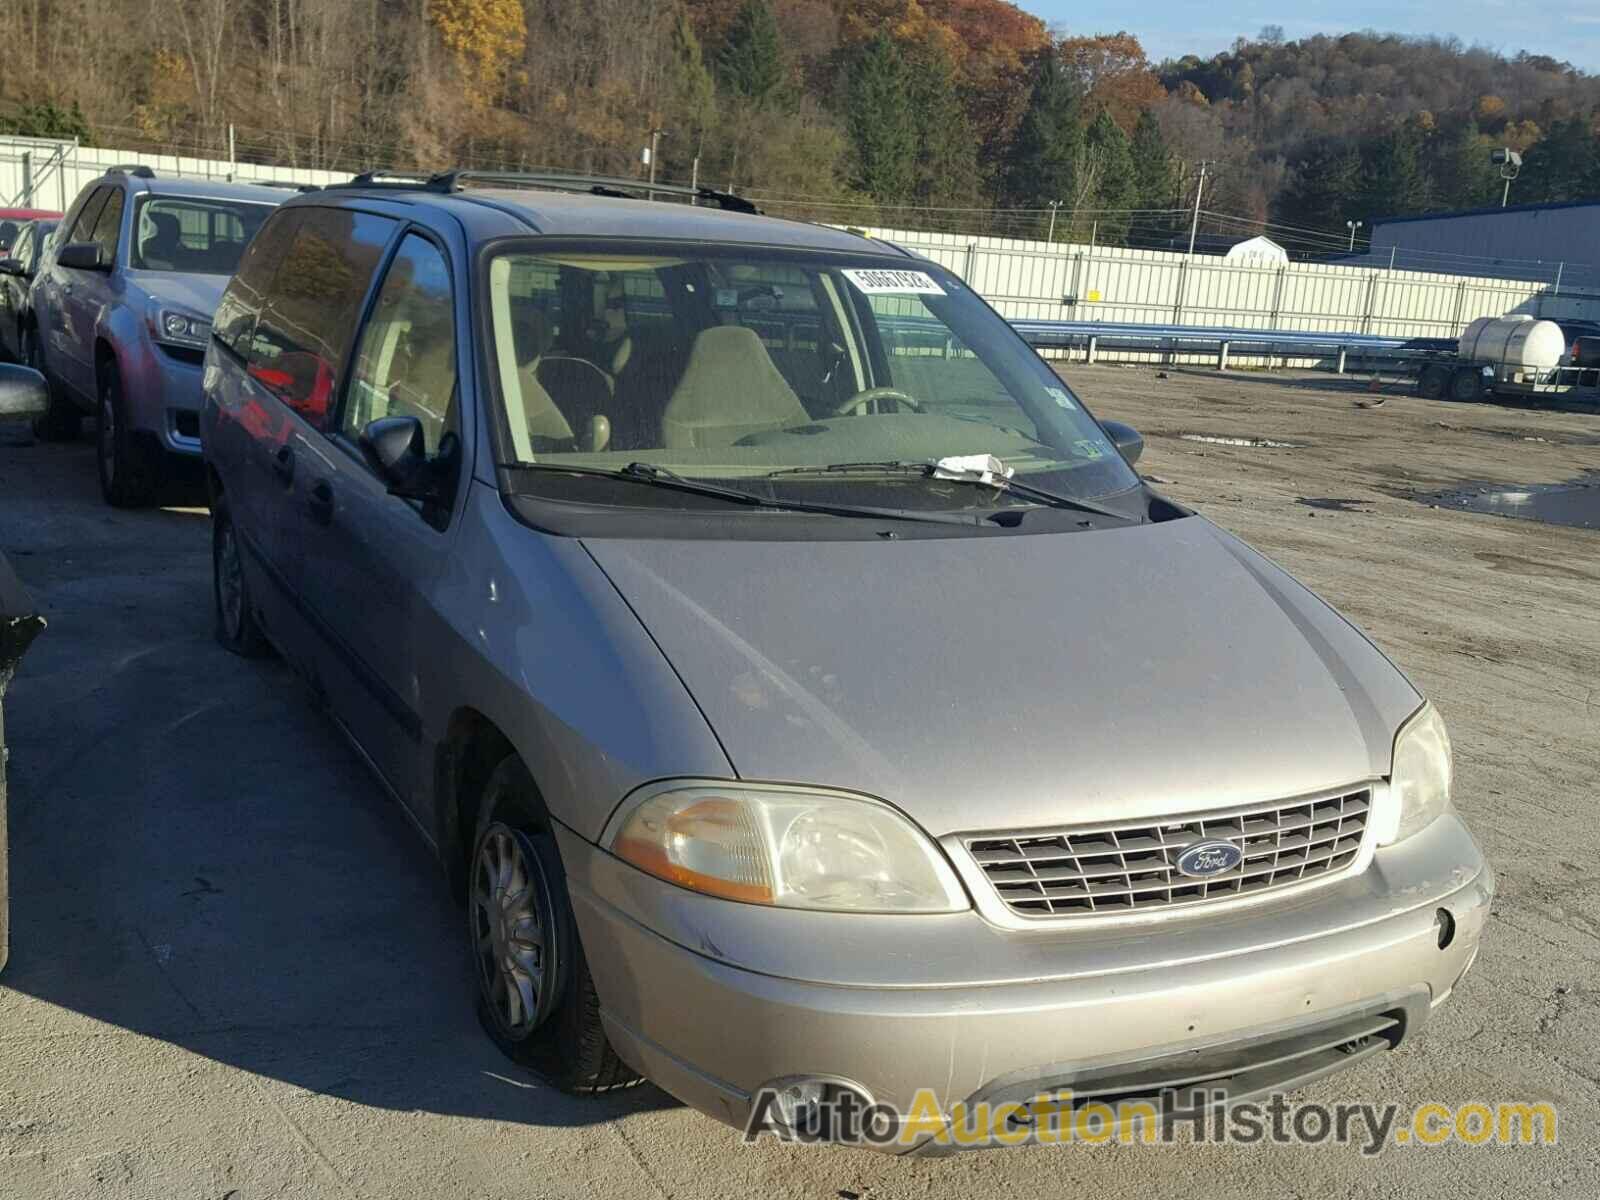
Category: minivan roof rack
<point>137,170</point>
<point>594,185</point>
<point>282,183</point>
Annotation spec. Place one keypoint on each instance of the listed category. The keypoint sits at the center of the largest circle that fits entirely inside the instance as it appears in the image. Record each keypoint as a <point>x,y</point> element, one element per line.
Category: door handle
<point>283,464</point>
<point>320,502</point>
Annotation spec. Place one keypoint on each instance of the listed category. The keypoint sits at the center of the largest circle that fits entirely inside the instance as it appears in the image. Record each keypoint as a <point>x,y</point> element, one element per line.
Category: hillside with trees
<point>960,114</point>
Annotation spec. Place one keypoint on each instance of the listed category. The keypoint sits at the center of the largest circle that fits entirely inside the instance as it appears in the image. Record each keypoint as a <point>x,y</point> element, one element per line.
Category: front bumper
<point>712,999</point>
<point>162,389</point>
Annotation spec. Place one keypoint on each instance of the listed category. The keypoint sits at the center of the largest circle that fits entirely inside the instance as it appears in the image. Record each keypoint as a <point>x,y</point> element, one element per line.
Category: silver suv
<point>807,697</point>
<point>122,306</point>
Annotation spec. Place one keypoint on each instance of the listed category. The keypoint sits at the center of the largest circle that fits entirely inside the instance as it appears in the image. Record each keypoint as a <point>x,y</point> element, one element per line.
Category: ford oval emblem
<point>1202,860</point>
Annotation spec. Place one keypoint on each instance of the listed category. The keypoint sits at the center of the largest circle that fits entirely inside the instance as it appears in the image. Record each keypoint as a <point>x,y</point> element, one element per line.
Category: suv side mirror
<point>12,266</point>
<point>83,256</point>
<point>1125,438</point>
<point>22,392</point>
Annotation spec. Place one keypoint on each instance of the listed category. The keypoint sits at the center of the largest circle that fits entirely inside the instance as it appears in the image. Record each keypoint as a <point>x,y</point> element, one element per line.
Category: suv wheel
<point>127,477</point>
<point>61,422</point>
<point>236,626</point>
<point>535,996</point>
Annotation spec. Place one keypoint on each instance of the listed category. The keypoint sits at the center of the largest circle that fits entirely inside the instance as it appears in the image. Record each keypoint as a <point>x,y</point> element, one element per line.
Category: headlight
<point>180,328</point>
<point>761,844</point>
<point>1419,784</point>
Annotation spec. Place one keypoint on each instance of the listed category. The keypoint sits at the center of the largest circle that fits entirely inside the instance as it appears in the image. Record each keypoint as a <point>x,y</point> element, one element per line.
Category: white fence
<point>43,173</point>
<point>1069,282</point>
<point>1020,278</point>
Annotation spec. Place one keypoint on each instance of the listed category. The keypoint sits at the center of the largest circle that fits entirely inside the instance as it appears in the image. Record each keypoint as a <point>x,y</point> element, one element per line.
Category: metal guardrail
<point>1223,340</point>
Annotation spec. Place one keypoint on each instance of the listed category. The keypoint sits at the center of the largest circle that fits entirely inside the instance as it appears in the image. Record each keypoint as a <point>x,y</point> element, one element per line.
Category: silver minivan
<point>809,700</point>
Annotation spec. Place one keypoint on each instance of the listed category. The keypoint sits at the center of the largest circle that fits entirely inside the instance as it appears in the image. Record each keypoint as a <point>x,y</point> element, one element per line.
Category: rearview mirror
<point>12,266</point>
<point>83,256</point>
<point>1125,438</point>
<point>22,392</point>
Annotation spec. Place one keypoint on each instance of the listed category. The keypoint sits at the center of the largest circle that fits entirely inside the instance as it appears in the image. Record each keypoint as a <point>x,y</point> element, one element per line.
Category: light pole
<point>1353,226</point>
<point>1054,206</point>
<point>1510,164</point>
<point>1199,187</point>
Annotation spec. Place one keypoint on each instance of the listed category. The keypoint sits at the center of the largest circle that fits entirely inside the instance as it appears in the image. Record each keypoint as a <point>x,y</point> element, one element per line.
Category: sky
<point>1564,29</point>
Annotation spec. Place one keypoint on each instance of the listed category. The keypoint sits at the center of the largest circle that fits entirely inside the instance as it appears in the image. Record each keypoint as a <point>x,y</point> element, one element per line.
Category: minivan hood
<point>1011,682</point>
<point>197,294</point>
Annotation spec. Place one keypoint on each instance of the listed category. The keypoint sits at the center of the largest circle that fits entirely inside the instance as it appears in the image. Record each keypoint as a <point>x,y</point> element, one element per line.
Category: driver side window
<point>406,361</point>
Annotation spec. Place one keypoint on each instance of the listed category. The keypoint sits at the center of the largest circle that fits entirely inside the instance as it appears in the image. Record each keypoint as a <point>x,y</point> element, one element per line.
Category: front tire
<point>536,999</point>
<point>236,627</point>
<point>127,474</point>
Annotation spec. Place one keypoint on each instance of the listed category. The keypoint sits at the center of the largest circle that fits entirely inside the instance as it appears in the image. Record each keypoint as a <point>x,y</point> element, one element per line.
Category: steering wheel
<point>863,401</point>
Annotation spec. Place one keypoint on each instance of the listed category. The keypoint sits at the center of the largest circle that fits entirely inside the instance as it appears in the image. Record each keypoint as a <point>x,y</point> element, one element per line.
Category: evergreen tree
<point>1562,165</point>
<point>1155,182</point>
<point>691,92</point>
<point>881,122</point>
<point>1395,185</point>
<point>946,168</point>
<point>1458,166</point>
<point>1110,156</point>
<point>1325,188</point>
<point>750,65</point>
<point>1044,156</point>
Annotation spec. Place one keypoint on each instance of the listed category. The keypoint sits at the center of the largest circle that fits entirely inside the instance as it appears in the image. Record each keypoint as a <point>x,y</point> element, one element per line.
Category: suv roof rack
<point>594,185</point>
<point>137,170</point>
<point>282,183</point>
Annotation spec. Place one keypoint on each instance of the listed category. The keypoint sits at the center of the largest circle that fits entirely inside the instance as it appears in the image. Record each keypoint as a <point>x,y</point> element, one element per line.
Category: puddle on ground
<point>1259,443</point>
<point>1575,503</point>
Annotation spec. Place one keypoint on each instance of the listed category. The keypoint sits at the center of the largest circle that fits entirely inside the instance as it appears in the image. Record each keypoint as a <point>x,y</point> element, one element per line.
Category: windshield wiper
<point>1000,483</point>
<point>655,476</point>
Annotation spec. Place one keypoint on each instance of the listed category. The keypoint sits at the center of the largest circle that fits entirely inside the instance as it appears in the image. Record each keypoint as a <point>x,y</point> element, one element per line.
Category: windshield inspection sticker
<point>876,282</point>
<point>1060,397</point>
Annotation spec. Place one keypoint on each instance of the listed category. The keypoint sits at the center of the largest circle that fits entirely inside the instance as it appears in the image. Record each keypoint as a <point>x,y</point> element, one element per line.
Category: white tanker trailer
<point>1513,354</point>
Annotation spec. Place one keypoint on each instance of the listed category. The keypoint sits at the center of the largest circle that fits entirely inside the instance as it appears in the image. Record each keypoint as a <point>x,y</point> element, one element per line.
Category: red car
<point>12,219</point>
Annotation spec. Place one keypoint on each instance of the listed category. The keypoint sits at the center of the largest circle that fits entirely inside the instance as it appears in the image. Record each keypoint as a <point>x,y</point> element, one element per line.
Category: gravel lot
<point>236,973</point>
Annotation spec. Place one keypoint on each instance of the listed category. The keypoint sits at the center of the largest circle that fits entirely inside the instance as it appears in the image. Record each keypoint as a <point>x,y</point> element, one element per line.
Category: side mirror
<point>1125,438</point>
<point>22,392</point>
<point>12,266</point>
<point>398,451</point>
<point>83,256</point>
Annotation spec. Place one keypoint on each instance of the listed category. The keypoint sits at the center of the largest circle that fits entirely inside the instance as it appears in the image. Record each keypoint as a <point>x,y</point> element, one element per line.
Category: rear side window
<point>21,246</point>
<point>312,307</point>
<point>108,225</point>
<point>83,227</point>
<point>246,292</point>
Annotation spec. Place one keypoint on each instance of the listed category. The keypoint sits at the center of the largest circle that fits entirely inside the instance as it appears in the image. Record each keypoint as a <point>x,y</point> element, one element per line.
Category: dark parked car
<point>13,219</point>
<point>17,272</point>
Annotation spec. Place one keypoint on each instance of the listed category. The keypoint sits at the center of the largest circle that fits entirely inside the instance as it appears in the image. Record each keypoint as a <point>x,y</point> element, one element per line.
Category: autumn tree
<point>485,36</point>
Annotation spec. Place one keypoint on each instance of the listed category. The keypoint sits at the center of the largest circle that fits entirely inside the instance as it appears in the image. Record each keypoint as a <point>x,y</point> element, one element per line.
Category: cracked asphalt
<point>236,973</point>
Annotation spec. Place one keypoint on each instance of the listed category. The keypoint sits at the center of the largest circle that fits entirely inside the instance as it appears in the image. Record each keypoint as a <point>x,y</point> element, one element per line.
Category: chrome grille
<point>1133,867</point>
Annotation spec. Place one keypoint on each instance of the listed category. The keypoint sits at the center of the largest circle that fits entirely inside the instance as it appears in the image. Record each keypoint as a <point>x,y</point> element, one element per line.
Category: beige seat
<point>730,388</point>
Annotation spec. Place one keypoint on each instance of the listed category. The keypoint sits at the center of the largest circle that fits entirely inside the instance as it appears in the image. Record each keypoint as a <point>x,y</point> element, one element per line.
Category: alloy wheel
<point>230,582</point>
<point>108,436</point>
<point>510,930</point>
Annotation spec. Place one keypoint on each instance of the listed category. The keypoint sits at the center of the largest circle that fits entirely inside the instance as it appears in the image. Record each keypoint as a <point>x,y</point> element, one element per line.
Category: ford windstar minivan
<point>805,693</point>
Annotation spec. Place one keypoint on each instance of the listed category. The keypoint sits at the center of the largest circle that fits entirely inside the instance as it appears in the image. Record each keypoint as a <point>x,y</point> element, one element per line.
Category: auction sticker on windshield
<point>876,282</point>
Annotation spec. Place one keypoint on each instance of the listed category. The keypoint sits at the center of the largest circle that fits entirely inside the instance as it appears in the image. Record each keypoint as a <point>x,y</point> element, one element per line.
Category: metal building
<point>1558,244</point>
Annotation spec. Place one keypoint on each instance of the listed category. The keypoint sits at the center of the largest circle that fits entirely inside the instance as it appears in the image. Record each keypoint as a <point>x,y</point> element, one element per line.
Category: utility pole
<point>1054,206</point>
<point>1199,187</point>
<point>655,148</point>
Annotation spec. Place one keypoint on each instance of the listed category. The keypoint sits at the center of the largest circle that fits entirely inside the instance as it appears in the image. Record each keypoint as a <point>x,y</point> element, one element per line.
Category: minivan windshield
<point>781,373</point>
<point>193,235</point>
